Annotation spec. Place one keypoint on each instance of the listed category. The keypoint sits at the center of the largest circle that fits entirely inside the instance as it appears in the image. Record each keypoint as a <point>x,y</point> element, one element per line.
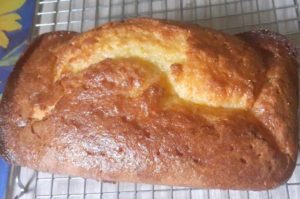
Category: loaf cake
<point>154,101</point>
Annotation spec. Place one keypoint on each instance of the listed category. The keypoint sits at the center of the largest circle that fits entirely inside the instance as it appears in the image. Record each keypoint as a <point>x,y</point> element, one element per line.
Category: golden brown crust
<point>187,106</point>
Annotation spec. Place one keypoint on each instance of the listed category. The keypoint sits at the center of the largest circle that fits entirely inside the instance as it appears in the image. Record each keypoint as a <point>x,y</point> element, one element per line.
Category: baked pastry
<point>155,101</point>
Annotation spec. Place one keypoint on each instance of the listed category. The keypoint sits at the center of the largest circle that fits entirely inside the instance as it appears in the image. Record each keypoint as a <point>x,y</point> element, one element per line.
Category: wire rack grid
<point>231,16</point>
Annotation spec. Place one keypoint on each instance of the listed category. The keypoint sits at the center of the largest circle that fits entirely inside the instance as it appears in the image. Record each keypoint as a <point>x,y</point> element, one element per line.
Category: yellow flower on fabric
<point>8,19</point>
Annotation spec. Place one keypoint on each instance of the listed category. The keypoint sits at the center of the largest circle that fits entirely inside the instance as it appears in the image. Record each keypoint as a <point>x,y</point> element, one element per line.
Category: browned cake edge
<point>280,119</point>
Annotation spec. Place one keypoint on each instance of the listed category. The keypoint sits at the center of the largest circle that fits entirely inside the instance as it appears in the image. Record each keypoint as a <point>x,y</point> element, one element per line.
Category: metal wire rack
<point>80,15</point>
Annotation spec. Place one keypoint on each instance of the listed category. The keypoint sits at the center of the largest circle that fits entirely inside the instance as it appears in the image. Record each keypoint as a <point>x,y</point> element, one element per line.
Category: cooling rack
<point>231,16</point>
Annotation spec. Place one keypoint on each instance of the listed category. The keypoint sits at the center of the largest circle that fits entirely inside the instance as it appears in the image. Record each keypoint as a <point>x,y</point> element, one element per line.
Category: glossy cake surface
<point>155,101</point>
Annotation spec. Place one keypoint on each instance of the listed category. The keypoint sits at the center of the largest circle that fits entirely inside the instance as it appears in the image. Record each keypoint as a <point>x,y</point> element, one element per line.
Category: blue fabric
<point>4,170</point>
<point>17,39</point>
<point>8,56</point>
